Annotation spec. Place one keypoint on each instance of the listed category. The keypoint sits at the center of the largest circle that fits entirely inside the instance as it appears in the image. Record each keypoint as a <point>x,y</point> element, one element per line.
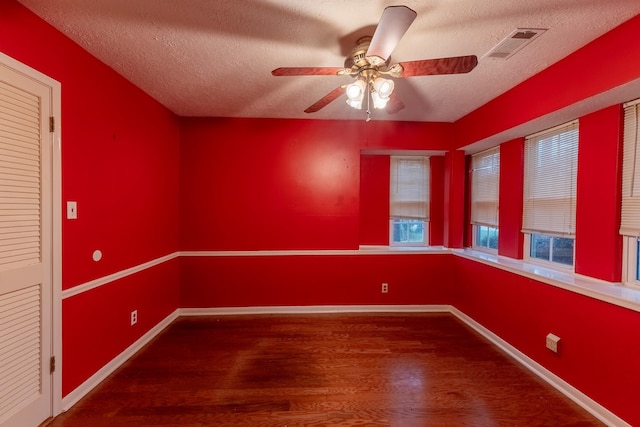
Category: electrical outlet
<point>553,343</point>
<point>385,288</point>
<point>134,317</point>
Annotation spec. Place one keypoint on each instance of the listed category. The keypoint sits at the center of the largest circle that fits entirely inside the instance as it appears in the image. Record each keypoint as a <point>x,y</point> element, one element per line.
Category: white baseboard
<point>314,309</point>
<point>72,398</point>
<point>590,405</point>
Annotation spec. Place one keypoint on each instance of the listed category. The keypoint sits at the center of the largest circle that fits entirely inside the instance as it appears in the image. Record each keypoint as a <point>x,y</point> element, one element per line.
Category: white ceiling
<point>214,57</point>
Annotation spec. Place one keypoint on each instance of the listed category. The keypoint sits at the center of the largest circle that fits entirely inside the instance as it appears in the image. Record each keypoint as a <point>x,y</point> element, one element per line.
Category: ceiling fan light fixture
<point>383,87</point>
<point>379,102</point>
<point>355,103</point>
<point>356,90</point>
<point>355,93</point>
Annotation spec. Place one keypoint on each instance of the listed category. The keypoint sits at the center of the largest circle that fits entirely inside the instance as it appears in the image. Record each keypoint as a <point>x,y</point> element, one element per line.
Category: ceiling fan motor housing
<point>357,58</point>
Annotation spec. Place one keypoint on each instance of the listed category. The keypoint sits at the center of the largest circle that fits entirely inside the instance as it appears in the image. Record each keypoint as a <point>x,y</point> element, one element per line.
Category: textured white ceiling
<point>214,57</point>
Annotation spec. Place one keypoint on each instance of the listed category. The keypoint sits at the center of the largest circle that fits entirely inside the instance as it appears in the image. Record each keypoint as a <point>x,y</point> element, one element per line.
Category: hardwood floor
<point>323,370</point>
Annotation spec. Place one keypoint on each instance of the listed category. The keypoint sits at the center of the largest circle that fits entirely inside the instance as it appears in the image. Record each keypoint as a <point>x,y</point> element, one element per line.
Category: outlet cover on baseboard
<point>553,343</point>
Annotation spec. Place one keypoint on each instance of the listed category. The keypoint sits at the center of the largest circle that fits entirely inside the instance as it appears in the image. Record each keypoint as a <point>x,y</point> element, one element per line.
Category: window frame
<point>628,229</point>
<point>529,232</point>
<point>478,245</point>
<point>630,261</point>
<point>424,243</point>
<point>548,263</point>
<point>477,188</point>
<point>425,220</point>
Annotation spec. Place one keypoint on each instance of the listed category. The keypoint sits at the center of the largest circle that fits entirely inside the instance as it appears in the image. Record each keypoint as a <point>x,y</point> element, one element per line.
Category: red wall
<point>96,325</point>
<point>386,135</point>
<point>467,238</point>
<point>118,162</point>
<point>295,186</point>
<point>436,205</point>
<point>599,246</point>
<point>598,344</point>
<point>374,200</point>
<point>454,199</point>
<point>510,238</point>
<point>249,281</point>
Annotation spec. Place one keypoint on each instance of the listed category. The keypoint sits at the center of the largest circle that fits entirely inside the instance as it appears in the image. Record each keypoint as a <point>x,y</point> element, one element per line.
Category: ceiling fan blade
<point>395,21</point>
<point>394,104</point>
<point>430,67</point>
<point>308,71</point>
<point>325,100</point>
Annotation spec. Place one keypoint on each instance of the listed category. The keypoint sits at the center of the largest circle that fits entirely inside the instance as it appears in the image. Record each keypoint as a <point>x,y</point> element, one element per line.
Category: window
<point>485,237</point>
<point>631,264</point>
<point>485,183</point>
<point>551,248</point>
<point>630,219</point>
<point>550,172</point>
<point>409,201</point>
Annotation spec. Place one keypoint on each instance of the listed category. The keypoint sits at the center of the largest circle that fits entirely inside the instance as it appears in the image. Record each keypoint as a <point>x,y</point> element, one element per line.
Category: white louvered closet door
<point>25,250</point>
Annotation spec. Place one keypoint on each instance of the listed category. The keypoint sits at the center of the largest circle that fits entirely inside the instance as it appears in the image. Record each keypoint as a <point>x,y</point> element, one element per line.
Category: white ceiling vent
<point>514,42</point>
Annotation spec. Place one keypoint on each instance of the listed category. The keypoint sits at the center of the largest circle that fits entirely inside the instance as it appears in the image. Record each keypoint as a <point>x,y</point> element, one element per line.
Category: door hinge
<point>52,124</point>
<point>52,364</point>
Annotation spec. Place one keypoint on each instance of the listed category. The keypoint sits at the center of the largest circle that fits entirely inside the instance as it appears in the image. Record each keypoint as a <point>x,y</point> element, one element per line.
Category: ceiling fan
<point>370,60</point>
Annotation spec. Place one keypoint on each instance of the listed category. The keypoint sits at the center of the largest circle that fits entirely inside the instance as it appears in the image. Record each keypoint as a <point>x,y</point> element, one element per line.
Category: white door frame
<point>56,238</point>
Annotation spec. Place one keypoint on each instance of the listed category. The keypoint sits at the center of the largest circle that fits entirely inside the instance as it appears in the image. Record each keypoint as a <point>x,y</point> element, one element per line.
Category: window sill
<point>614,293</point>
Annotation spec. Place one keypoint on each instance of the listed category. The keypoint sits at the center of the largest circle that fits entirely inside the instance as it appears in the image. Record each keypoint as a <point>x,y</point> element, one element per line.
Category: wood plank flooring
<point>323,370</point>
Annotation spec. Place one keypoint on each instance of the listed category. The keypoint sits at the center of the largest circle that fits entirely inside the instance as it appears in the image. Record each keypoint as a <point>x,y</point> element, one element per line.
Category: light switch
<point>72,210</point>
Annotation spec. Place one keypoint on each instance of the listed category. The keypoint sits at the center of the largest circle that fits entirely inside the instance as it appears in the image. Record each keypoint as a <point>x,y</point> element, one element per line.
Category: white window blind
<point>409,192</point>
<point>551,168</point>
<point>630,221</point>
<point>485,177</point>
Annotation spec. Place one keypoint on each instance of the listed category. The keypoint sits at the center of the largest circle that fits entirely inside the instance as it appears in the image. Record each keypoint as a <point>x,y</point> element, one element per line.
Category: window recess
<point>485,179</point>
<point>549,201</point>
<point>409,201</point>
